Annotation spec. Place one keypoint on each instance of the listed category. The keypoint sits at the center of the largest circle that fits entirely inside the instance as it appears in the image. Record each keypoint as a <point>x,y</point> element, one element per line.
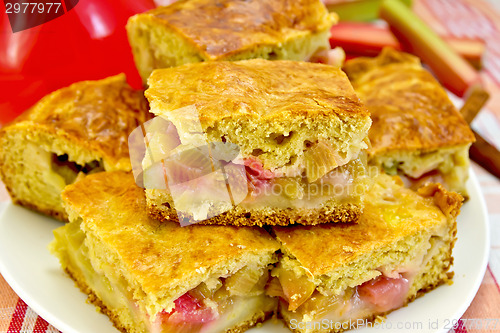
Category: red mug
<point>87,41</point>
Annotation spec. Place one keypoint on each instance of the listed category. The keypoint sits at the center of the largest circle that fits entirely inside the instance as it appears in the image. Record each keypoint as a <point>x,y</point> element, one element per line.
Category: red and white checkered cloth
<point>16,316</point>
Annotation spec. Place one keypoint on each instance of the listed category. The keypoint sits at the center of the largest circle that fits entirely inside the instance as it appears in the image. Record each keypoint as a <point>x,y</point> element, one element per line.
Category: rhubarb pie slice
<point>149,276</point>
<point>297,131</point>
<point>72,132</point>
<point>417,132</point>
<point>208,30</point>
<point>400,249</point>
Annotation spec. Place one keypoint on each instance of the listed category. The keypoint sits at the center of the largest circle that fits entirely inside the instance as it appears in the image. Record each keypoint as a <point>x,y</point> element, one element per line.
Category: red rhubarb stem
<point>452,70</point>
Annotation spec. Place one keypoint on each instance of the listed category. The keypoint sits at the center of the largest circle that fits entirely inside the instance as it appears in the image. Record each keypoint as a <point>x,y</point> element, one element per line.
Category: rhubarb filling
<point>376,296</point>
<point>387,288</point>
<point>202,179</point>
<point>448,167</point>
<point>227,303</point>
<point>250,187</point>
<point>202,187</point>
<point>216,305</point>
<point>341,184</point>
<point>46,171</point>
<point>434,176</point>
<point>57,169</point>
<point>70,171</point>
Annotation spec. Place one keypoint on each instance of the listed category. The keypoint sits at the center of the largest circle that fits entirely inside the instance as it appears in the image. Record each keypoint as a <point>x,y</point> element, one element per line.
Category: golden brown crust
<point>438,230</point>
<point>279,217</point>
<point>391,213</point>
<point>221,28</point>
<point>409,108</point>
<point>97,115</point>
<point>256,89</point>
<point>60,215</point>
<point>172,258</point>
<point>88,122</point>
<point>448,202</point>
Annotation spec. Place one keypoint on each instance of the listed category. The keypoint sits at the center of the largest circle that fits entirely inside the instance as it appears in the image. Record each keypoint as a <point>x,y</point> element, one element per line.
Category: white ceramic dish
<point>37,278</point>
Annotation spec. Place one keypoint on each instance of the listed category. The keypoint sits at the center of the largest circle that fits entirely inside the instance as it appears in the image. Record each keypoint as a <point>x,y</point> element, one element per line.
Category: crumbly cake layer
<point>447,166</point>
<point>414,121</point>
<point>118,233</point>
<point>434,282</point>
<point>192,31</point>
<point>428,280</point>
<point>70,133</point>
<point>124,318</point>
<point>273,110</point>
<point>395,220</point>
<point>403,240</point>
<point>335,197</point>
<point>283,217</point>
<point>294,125</point>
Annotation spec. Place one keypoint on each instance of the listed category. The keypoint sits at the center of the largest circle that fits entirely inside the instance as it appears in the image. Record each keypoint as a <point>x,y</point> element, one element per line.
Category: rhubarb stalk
<point>362,38</point>
<point>482,152</point>
<point>471,49</point>
<point>366,39</point>
<point>486,155</point>
<point>452,70</point>
<point>357,10</point>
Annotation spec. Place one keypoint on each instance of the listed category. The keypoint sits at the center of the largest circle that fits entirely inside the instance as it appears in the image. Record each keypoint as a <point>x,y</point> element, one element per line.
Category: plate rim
<point>474,181</point>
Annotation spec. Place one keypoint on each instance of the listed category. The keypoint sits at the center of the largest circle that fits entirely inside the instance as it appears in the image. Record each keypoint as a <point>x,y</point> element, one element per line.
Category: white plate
<point>37,278</point>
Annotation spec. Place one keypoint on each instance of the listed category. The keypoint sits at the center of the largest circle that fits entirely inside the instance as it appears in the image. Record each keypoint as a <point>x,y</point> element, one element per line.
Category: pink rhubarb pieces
<point>367,39</point>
